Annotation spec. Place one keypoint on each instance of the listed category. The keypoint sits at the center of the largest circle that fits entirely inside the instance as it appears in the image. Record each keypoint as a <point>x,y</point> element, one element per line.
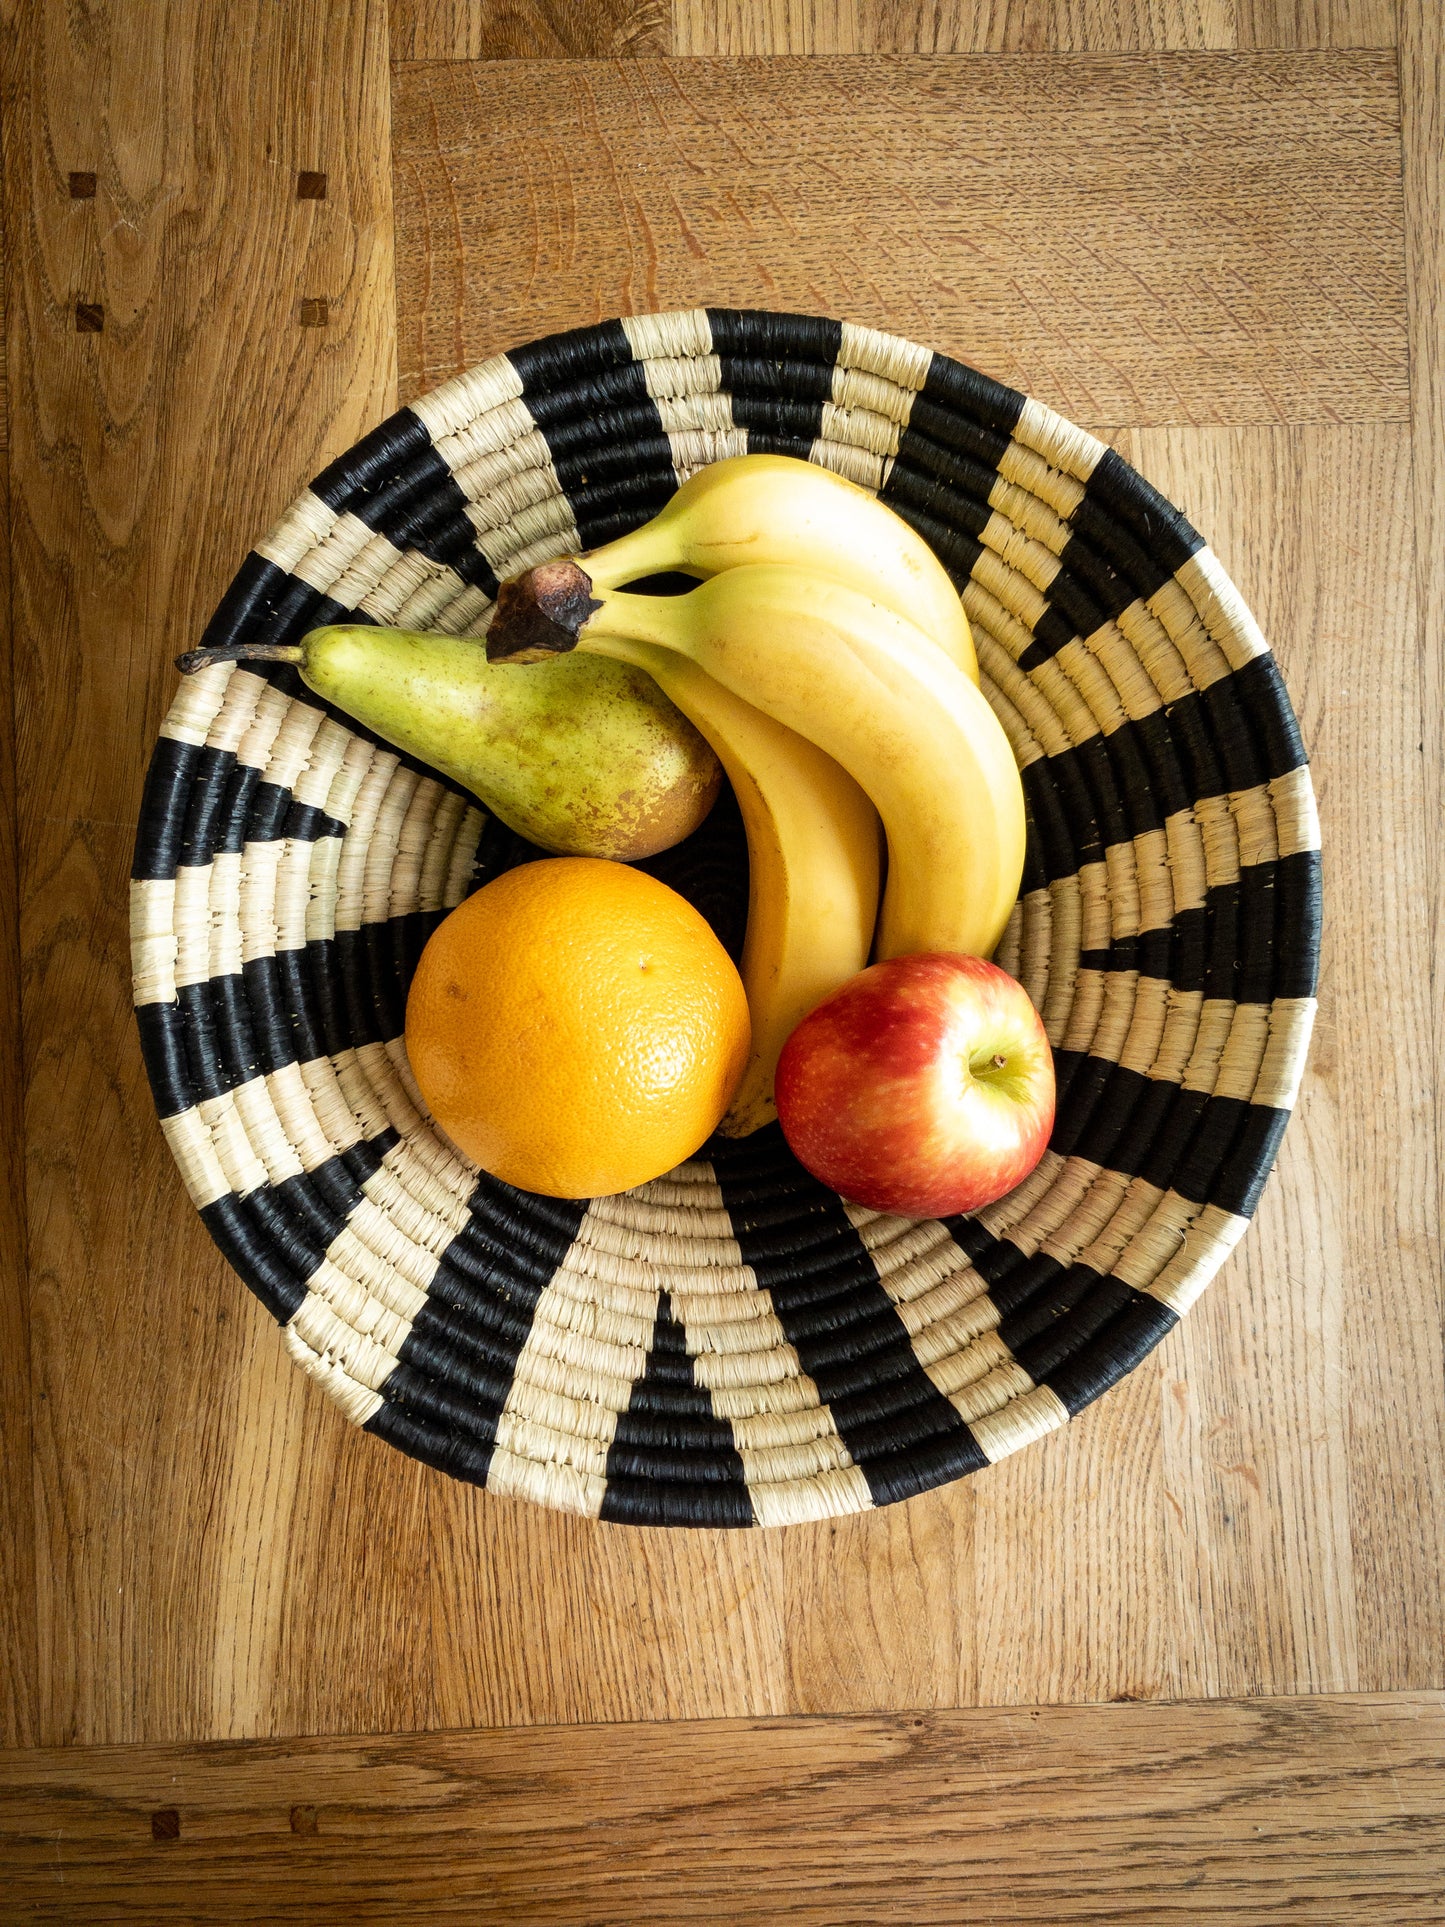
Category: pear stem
<point>195,659</point>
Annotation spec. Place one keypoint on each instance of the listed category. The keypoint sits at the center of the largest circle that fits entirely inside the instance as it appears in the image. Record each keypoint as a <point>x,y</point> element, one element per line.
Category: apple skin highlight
<point>891,1091</point>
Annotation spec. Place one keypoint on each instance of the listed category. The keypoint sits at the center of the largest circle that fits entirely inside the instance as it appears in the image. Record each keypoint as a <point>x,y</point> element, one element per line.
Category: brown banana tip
<point>541,613</point>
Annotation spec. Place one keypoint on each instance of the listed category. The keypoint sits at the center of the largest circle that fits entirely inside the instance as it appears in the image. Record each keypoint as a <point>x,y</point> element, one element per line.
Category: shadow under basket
<point>732,1344</point>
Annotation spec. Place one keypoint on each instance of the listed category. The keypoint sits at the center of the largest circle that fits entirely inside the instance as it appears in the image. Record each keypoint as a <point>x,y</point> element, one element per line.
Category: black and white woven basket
<point>732,1344</point>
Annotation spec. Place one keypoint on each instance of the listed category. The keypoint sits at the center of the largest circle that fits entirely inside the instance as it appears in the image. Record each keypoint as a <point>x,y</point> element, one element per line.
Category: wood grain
<point>1312,1509</point>
<point>880,1611</point>
<point>1130,241</point>
<point>1061,1550</point>
<point>769,27</point>
<point>950,26</point>
<point>1315,23</point>
<point>1332,1808</point>
<point>1422,82</point>
<point>600,29</point>
<point>17,1534</point>
<point>144,459</point>
<point>528,29</point>
<point>547,1618</point>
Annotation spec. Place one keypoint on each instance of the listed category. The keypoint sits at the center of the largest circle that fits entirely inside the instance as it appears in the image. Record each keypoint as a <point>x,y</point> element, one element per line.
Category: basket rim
<point>1077,524</point>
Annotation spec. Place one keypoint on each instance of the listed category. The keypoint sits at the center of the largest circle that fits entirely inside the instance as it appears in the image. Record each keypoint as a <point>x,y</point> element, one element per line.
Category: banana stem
<point>551,610</point>
<point>541,614</point>
<point>195,659</point>
<point>642,552</point>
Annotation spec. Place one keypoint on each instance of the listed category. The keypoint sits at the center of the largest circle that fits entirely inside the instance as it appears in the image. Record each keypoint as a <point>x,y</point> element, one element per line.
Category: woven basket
<point>732,1344</point>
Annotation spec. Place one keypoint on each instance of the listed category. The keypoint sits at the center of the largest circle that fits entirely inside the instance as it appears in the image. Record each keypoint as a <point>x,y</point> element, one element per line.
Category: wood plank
<point>776,27</point>
<point>1315,23</point>
<point>1131,241</point>
<point>545,30</point>
<point>1305,1423</point>
<point>528,29</point>
<point>1026,26</point>
<point>1071,1556</point>
<point>950,26</point>
<point>144,459</point>
<point>1331,1808</point>
<point>602,29</point>
<point>397,1599</point>
<point>879,1611</point>
<point>1422,94</point>
<point>537,1617</point>
<point>17,1532</point>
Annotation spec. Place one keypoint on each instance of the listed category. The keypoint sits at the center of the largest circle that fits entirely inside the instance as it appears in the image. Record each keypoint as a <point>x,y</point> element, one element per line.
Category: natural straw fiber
<point>731,1344</point>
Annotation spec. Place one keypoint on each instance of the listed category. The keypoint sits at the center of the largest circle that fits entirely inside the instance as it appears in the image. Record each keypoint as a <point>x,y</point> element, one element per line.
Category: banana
<point>863,684</point>
<point>752,509</point>
<point>812,865</point>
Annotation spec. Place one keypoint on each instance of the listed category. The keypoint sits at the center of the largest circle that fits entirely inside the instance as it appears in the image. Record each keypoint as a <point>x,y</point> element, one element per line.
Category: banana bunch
<point>826,658</point>
<point>774,508</point>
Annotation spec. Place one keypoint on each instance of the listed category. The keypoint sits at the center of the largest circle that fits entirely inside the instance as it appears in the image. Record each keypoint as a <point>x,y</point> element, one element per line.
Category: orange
<point>576,1027</point>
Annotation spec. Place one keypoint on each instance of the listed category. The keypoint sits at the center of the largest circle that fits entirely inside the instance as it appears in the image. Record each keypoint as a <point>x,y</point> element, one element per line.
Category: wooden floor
<point>1212,231</point>
<point>1324,1811</point>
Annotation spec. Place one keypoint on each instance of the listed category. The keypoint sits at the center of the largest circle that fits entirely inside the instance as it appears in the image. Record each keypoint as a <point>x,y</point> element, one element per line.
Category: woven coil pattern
<point>732,1344</point>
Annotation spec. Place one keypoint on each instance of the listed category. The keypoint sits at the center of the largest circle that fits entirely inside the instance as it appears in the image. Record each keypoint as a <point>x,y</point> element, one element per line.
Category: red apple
<point>925,1086</point>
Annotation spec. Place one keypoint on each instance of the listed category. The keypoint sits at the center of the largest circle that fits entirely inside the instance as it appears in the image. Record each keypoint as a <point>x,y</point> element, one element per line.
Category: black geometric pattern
<point>732,1345</point>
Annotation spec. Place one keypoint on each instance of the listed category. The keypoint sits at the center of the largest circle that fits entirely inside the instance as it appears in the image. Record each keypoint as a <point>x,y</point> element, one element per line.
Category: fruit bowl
<point>731,1344</point>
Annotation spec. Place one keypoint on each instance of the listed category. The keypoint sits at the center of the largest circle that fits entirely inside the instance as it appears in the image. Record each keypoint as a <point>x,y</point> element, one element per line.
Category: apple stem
<point>999,1062</point>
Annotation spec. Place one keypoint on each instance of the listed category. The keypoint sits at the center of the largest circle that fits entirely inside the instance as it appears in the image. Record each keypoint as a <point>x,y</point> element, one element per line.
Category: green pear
<point>583,755</point>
